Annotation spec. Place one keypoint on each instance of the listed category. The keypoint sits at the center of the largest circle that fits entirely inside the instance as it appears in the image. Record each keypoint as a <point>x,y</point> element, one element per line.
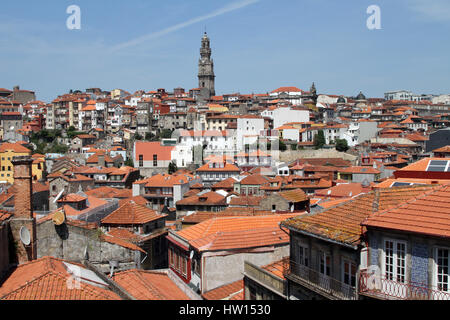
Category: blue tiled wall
<point>419,263</point>
<point>373,245</point>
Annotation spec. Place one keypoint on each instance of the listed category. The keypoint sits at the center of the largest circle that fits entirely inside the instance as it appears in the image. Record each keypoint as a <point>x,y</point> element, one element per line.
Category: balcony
<point>380,287</point>
<point>324,285</point>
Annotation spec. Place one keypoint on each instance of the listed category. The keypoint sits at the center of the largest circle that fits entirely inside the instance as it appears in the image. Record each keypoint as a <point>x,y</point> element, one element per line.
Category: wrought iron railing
<point>321,283</point>
<point>382,288</point>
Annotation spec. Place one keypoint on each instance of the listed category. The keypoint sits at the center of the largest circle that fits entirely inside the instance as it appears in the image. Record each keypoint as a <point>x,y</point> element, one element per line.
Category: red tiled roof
<point>427,213</point>
<point>209,198</point>
<point>47,279</point>
<point>296,195</point>
<point>106,192</point>
<point>360,170</point>
<point>166,180</point>
<point>421,165</point>
<point>136,199</point>
<point>443,149</point>
<point>254,179</point>
<point>131,213</point>
<point>342,223</point>
<point>95,158</point>
<point>342,190</point>
<point>276,268</point>
<point>225,292</point>
<point>4,215</point>
<point>16,147</point>
<point>286,89</point>
<point>149,285</point>
<point>236,232</point>
<point>228,167</point>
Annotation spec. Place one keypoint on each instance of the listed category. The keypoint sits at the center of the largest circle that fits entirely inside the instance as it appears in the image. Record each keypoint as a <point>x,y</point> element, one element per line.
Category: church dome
<point>341,100</point>
<point>361,96</point>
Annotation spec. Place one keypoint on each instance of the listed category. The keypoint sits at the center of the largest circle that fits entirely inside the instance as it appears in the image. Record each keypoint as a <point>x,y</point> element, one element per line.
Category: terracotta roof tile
<point>149,285</point>
<point>225,292</point>
<point>427,213</point>
<point>236,232</point>
<point>276,268</point>
<point>132,213</point>
<point>46,279</point>
<point>342,223</point>
<point>15,147</point>
<point>208,198</point>
<point>227,167</point>
<point>297,195</point>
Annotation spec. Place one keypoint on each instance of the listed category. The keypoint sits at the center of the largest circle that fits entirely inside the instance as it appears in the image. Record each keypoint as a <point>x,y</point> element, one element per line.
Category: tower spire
<point>206,77</point>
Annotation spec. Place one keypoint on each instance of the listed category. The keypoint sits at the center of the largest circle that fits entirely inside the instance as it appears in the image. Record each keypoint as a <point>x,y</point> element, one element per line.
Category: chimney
<point>23,224</point>
<point>101,160</point>
<point>23,186</point>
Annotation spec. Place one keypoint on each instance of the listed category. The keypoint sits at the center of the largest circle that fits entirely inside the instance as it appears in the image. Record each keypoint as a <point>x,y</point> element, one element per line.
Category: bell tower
<point>206,77</point>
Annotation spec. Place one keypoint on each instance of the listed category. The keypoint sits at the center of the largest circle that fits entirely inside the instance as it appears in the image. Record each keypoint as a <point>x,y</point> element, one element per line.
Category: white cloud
<point>228,8</point>
<point>436,10</point>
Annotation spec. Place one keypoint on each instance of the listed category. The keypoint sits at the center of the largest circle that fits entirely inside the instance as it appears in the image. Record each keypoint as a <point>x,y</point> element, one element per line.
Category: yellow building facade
<point>7,152</point>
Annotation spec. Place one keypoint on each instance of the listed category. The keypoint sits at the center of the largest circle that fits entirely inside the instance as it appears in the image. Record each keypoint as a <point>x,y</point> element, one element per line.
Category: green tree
<point>149,136</point>
<point>319,140</point>
<point>137,136</point>
<point>282,145</point>
<point>172,168</point>
<point>166,134</point>
<point>341,145</point>
<point>129,163</point>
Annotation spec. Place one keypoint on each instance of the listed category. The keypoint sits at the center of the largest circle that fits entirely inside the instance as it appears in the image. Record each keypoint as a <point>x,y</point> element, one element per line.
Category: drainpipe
<point>287,281</point>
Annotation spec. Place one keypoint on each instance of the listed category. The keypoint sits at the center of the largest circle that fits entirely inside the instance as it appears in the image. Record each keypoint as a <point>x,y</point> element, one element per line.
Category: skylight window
<point>438,166</point>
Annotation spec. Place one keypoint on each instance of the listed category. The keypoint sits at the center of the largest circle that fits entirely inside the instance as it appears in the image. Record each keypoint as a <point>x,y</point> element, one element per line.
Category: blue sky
<point>258,45</point>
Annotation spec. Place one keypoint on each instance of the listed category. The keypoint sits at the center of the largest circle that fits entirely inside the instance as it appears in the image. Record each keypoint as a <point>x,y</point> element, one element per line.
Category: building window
<point>395,260</point>
<point>349,272</point>
<point>155,160</point>
<point>325,263</point>
<point>443,275</point>
<point>303,255</point>
<point>141,160</point>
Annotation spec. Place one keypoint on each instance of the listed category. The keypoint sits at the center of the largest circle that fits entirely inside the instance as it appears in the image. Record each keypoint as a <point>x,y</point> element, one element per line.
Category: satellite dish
<point>25,236</point>
<point>59,218</point>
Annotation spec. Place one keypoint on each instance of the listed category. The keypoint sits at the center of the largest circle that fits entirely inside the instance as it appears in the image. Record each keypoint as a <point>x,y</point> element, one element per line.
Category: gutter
<point>323,238</point>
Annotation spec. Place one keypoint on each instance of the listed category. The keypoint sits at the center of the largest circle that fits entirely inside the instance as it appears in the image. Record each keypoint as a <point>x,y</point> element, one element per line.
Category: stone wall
<point>289,156</point>
<point>225,269</point>
<point>70,242</point>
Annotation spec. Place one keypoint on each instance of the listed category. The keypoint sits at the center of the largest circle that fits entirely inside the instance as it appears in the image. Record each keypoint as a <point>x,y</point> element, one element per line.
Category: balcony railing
<point>380,287</point>
<point>318,282</point>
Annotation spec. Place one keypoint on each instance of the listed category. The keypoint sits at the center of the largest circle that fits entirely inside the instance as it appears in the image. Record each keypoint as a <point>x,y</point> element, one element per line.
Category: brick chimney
<point>101,160</point>
<point>23,209</point>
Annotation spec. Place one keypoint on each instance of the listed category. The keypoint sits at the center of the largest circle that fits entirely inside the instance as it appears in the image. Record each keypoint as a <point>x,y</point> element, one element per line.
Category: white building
<point>249,128</point>
<point>283,115</point>
<point>290,94</point>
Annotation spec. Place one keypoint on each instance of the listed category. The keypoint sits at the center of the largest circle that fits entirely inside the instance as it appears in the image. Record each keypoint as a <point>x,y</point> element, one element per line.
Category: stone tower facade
<point>206,77</point>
